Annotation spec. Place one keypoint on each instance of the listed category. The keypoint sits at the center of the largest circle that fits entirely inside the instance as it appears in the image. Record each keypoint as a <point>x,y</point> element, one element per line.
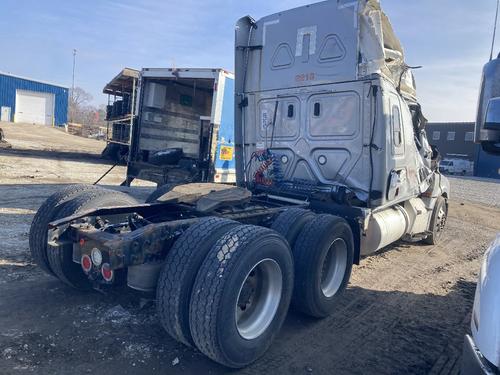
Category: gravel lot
<point>478,190</point>
<point>405,311</point>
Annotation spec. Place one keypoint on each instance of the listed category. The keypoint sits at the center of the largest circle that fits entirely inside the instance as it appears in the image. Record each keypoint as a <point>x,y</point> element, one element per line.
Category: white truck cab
<point>326,105</point>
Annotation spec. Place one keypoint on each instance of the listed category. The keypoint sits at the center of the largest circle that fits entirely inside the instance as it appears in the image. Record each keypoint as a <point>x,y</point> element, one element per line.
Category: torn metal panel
<point>380,49</point>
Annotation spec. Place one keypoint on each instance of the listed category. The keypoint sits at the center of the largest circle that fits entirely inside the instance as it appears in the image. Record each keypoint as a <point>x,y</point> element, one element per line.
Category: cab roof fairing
<point>381,50</point>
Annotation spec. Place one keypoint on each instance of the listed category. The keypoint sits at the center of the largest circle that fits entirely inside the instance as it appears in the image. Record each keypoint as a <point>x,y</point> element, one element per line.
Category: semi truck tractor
<point>332,164</point>
<point>481,351</point>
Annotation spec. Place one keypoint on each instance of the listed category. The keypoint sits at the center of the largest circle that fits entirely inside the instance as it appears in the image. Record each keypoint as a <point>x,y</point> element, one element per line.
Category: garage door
<point>34,107</point>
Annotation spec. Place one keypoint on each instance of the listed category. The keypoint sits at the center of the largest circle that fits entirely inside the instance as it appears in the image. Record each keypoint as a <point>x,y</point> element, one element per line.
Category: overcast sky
<point>450,38</point>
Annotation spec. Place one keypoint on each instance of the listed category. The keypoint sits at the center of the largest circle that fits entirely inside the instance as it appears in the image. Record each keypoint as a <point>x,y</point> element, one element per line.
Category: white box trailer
<point>184,126</point>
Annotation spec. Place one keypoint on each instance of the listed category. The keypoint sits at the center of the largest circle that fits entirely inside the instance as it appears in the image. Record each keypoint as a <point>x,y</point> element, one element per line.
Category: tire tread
<point>45,214</point>
<point>177,278</point>
<point>290,222</point>
<point>209,284</point>
<point>304,250</point>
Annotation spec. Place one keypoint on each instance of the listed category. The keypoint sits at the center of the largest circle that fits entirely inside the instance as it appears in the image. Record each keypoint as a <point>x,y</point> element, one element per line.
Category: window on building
<point>450,136</point>
<point>469,137</point>
<point>436,135</point>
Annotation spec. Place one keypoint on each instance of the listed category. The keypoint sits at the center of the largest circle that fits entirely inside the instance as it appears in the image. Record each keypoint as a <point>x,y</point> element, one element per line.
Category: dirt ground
<point>42,154</point>
<point>405,311</point>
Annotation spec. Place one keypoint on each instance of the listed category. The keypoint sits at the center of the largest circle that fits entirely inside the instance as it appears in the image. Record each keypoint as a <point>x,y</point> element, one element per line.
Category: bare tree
<point>78,100</point>
<point>81,111</point>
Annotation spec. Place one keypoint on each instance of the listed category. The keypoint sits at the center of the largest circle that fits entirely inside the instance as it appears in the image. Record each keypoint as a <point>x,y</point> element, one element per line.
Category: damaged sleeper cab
<point>332,163</point>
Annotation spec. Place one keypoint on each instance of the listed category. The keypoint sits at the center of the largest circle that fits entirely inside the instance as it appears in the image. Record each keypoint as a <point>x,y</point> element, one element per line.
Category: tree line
<point>82,111</point>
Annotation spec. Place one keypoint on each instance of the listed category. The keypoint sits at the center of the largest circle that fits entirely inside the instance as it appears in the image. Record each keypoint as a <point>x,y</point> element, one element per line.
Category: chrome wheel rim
<point>334,267</point>
<point>258,299</point>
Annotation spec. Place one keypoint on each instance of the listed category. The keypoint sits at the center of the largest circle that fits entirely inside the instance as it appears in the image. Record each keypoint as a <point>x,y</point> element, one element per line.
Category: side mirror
<point>490,131</point>
<point>492,119</point>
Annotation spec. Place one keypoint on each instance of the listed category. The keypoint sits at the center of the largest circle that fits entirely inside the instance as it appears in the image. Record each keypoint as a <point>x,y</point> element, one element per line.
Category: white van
<point>456,166</point>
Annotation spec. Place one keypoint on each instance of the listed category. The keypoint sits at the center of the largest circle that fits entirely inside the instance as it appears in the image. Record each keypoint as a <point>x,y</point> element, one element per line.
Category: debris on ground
<point>117,315</point>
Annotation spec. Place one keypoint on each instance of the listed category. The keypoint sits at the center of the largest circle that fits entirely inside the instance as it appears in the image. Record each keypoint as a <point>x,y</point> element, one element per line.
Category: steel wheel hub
<point>334,267</point>
<point>258,299</point>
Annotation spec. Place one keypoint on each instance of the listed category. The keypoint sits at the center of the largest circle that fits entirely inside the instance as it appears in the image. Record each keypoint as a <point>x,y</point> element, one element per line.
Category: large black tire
<point>164,157</point>
<point>290,222</point>
<point>323,255</point>
<point>159,192</point>
<point>438,222</point>
<point>221,291</point>
<point>45,214</point>
<point>176,280</point>
<point>61,259</point>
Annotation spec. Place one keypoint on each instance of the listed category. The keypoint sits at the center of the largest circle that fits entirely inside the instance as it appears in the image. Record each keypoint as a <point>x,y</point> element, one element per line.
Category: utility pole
<point>494,31</point>
<point>74,63</point>
<point>73,85</point>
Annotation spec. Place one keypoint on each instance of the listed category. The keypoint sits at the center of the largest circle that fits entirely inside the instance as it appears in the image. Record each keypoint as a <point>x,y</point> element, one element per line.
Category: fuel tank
<point>384,228</point>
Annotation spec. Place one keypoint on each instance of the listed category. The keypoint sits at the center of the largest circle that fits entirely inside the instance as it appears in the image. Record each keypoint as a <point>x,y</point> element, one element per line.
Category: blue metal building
<point>455,140</point>
<point>31,101</point>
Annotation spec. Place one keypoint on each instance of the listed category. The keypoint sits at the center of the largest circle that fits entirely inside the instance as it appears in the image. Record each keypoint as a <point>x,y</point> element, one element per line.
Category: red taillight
<point>82,241</point>
<point>86,263</point>
<point>106,272</point>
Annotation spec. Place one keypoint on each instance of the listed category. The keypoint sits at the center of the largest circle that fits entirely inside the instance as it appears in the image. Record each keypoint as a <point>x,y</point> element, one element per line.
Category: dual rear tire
<point>178,275</point>
<point>323,254</point>
<point>45,214</point>
<point>69,201</point>
<point>241,295</point>
<point>226,288</point>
